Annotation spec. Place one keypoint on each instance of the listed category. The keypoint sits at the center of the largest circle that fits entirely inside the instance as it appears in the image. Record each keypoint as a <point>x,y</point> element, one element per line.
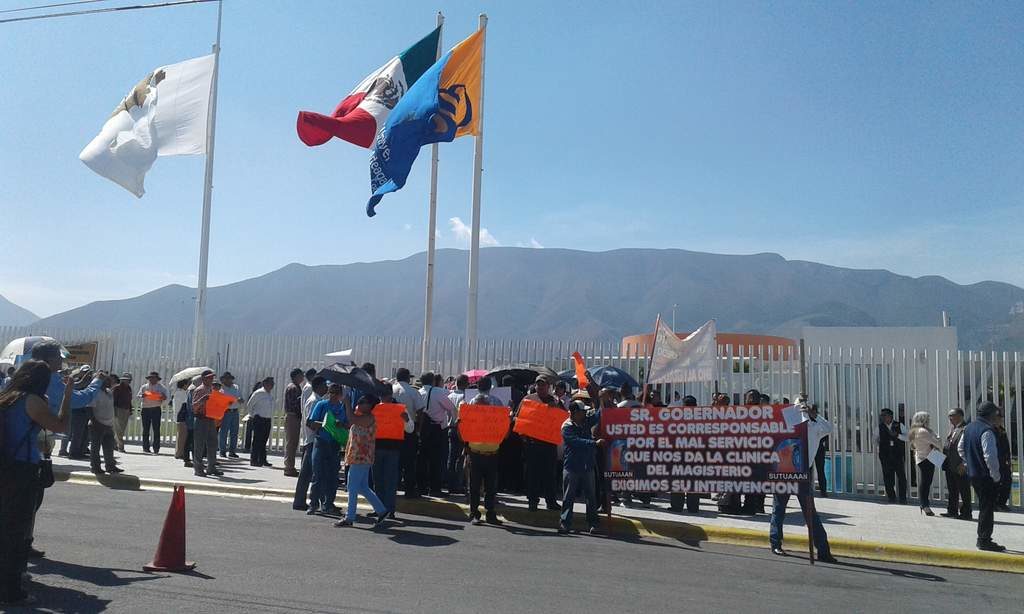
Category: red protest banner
<point>539,421</point>
<point>390,424</point>
<point>217,403</point>
<point>581,371</point>
<point>740,449</point>
<point>483,423</point>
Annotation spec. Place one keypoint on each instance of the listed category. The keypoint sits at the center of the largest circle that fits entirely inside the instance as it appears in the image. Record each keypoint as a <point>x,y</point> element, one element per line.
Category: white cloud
<point>535,244</point>
<point>464,233</point>
<point>407,227</point>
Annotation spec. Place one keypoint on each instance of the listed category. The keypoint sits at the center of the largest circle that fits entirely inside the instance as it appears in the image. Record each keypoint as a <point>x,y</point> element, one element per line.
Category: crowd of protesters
<point>332,429</point>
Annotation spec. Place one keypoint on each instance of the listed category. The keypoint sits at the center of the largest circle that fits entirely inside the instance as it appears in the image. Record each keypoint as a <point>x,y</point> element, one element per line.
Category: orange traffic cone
<point>170,552</point>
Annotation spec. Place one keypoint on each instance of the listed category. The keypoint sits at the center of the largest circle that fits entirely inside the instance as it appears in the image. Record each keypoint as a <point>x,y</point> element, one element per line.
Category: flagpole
<point>469,354</point>
<point>198,336</point>
<point>650,359</point>
<point>428,306</point>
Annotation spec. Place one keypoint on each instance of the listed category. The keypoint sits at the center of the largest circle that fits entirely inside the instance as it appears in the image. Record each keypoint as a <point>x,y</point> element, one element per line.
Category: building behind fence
<point>852,373</point>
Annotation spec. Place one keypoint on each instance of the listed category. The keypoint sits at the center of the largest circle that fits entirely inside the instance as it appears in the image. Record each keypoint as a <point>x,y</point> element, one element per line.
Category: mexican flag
<point>363,112</point>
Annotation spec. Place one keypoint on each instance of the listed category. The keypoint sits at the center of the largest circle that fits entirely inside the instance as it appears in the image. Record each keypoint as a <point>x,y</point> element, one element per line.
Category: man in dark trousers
<point>819,458</point>
<point>1005,468</point>
<point>541,457</point>
<point>979,450</point>
<point>892,447</point>
<point>959,505</point>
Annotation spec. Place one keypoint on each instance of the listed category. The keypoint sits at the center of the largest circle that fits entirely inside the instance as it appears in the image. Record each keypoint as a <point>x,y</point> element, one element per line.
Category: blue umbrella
<point>604,377</point>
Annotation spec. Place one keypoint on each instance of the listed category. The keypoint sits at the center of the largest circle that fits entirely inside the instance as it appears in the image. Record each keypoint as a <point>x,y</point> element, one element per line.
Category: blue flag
<point>437,108</point>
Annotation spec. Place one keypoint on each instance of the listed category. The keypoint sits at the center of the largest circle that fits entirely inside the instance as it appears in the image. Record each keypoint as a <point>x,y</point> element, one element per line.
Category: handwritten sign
<point>390,424</point>
<point>538,421</point>
<point>483,423</point>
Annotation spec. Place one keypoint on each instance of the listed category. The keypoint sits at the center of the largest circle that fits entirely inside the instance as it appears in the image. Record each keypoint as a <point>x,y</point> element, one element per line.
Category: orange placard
<point>483,423</point>
<point>539,421</point>
<point>217,403</point>
<point>152,395</point>
<point>581,371</point>
<point>389,420</point>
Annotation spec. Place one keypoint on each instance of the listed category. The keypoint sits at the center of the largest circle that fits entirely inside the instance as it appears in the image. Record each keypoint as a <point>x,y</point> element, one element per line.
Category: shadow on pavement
<point>430,524</point>
<point>62,599</point>
<point>903,573</point>
<point>99,576</point>
<point>423,540</point>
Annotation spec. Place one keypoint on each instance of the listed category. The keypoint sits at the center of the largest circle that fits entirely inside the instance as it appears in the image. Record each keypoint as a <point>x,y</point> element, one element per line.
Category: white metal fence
<point>850,384</point>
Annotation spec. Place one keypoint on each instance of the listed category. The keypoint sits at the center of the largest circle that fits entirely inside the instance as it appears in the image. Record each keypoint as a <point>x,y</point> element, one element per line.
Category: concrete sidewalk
<point>856,528</point>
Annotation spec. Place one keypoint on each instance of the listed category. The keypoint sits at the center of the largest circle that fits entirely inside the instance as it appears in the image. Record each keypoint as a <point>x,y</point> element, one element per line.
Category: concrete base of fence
<point>620,527</point>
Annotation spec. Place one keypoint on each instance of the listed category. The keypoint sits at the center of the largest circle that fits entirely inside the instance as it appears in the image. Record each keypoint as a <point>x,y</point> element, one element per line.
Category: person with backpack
<point>24,410</point>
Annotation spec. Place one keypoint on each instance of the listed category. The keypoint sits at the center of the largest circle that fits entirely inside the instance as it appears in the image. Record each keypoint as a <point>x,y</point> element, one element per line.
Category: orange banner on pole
<point>217,403</point>
<point>153,395</point>
<point>389,420</point>
<point>539,421</point>
<point>483,423</point>
<point>581,371</point>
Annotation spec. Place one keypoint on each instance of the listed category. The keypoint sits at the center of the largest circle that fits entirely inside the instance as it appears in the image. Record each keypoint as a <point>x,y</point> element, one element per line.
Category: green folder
<point>337,431</point>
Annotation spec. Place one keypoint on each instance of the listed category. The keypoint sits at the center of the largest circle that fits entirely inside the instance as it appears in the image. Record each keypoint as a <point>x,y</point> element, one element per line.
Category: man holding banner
<point>483,425</point>
<point>539,429</point>
<point>205,438</point>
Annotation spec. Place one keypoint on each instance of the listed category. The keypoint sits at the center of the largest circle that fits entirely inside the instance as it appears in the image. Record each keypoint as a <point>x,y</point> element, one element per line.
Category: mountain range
<point>568,294</point>
<point>14,315</point>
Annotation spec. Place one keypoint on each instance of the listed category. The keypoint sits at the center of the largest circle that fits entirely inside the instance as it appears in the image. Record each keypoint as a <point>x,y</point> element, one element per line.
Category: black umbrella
<point>522,374</point>
<point>353,377</point>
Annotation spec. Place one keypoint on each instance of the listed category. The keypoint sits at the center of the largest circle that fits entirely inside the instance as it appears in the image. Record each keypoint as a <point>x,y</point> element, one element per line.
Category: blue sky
<point>869,135</point>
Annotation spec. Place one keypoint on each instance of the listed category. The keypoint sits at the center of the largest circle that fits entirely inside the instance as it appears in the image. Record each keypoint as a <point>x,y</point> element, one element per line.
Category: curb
<point>616,526</point>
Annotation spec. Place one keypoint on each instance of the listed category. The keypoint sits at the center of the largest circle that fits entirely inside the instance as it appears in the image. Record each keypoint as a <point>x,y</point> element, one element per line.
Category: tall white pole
<point>198,336</point>
<point>474,249</point>
<point>428,306</point>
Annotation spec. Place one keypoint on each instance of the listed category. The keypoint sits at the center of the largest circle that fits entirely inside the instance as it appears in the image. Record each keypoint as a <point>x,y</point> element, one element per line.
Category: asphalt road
<point>260,556</point>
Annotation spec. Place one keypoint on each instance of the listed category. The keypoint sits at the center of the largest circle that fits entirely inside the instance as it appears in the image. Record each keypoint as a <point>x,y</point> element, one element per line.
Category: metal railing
<point>850,384</point>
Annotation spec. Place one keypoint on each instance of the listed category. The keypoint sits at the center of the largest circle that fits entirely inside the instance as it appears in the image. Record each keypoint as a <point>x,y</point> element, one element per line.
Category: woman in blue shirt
<point>24,410</point>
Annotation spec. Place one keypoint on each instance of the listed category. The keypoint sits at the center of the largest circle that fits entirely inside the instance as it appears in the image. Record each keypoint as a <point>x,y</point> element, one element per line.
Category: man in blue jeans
<point>326,452</point>
<point>228,435</point>
<point>817,429</point>
<point>578,465</point>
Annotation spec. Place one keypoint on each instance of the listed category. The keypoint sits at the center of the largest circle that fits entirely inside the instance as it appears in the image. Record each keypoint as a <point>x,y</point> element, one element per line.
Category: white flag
<point>678,360</point>
<point>165,114</point>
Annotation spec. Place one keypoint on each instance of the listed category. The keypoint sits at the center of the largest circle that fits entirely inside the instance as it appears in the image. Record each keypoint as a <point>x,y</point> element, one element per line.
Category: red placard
<point>389,421</point>
<point>153,395</point>
<point>539,421</point>
<point>217,403</point>
<point>755,449</point>
<point>483,423</point>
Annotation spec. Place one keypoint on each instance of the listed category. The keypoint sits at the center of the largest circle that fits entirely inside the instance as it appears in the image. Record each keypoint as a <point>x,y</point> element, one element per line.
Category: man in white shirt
<point>403,392</point>
<point>317,389</point>
<point>438,413</point>
<point>307,387</point>
<point>456,460</point>
<point>817,428</point>
<point>228,433</point>
<point>261,414</point>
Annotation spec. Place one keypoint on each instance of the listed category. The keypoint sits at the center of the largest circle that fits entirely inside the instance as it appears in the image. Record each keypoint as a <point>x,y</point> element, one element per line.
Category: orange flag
<point>581,371</point>
<point>539,421</point>
<point>483,423</point>
<point>389,420</point>
<point>217,403</point>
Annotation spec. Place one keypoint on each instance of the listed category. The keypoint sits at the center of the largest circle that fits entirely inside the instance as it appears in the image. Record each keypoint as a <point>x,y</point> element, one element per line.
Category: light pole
<point>674,305</point>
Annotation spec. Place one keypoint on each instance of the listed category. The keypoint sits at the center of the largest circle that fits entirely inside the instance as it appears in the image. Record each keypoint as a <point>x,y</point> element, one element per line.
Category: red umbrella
<point>475,374</point>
